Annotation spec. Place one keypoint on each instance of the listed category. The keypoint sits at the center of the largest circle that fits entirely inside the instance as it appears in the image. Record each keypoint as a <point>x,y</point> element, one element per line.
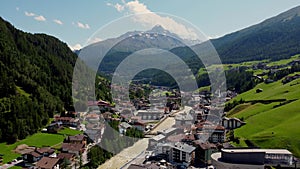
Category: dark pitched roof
<point>176,138</point>
<point>204,146</point>
<point>47,162</point>
<point>35,154</point>
<point>45,150</point>
<point>70,119</point>
<point>72,147</point>
<point>79,137</point>
<point>189,137</point>
<point>207,125</point>
<point>65,156</point>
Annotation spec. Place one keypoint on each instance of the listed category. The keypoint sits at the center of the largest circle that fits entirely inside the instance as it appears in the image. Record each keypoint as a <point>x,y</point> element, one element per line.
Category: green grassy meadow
<point>36,140</point>
<point>272,125</point>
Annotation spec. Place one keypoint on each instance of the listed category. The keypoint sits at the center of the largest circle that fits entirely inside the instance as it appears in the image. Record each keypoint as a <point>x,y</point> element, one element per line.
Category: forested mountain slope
<point>275,38</point>
<point>36,81</point>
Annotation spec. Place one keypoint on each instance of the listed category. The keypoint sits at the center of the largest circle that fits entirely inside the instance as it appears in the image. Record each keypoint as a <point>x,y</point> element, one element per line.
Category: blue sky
<point>74,21</point>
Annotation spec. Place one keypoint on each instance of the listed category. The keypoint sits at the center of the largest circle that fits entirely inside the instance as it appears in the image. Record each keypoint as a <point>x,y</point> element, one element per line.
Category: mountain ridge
<point>266,40</point>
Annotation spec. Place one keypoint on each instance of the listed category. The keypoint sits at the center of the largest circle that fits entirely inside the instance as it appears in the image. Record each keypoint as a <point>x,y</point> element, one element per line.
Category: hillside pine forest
<point>36,81</point>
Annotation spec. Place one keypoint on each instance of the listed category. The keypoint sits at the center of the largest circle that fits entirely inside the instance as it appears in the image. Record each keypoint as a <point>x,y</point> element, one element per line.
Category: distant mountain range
<point>275,38</point>
<point>116,49</point>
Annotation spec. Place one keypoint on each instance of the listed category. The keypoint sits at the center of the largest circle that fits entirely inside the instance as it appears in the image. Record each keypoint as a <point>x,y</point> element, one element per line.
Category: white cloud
<point>17,8</point>
<point>137,7</point>
<point>150,19</point>
<point>117,6</point>
<point>29,13</point>
<point>36,17</point>
<point>82,25</point>
<point>75,47</point>
<point>40,18</point>
<point>59,22</point>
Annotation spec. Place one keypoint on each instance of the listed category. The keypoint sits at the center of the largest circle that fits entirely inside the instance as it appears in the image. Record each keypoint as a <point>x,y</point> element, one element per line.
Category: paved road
<point>168,123</point>
<point>125,157</point>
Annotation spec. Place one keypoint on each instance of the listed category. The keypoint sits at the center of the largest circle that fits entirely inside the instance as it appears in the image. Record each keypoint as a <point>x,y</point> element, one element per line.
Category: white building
<point>232,123</point>
<point>123,127</point>
<point>178,153</point>
<point>155,140</point>
<point>182,153</point>
<point>150,114</point>
<point>251,158</point>
<point>184,120</point>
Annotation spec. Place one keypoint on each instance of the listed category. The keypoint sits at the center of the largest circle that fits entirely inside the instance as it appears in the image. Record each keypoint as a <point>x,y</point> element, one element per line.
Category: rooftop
<point>184,147</point>
<point>65,156</point>
<point>169,130</point>
<point>147,166</point>
<point>125,125</point>
<point>184,116</point>
<point>205,146</point>
<point>158,137</point>
<point>79,137</point>
<point>176,138</point>
<point>267,151</point>
<point>47,162</point>
<point>45,150</point>
<point>72,147</point>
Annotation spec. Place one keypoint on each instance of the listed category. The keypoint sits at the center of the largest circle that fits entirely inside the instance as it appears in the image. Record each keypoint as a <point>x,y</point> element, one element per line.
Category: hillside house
<point>232,123</point>
<point>149,114</point>
<point>207,131</point>
<point>37,154</point>
<point>77,139</point>
<point>48,163</point>
<point>123,127</point>
<point>72,148</point>
<point>67,156</point>
<point>67,121</point>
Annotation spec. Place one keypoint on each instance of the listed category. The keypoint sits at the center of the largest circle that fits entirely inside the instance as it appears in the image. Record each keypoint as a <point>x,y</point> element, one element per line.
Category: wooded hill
<point>36,81</point>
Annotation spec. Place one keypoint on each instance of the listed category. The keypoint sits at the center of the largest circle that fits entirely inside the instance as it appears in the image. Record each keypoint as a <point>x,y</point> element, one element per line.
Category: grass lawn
<point>268,126</point>
<point>15,167</point>
<point>247,110</point>
<point>284,61</point>
<point>274,90</point>
<point>69,132</point>
<point>36,140</point>
<point>205,88</point>
<point>274,128</point>
<point>272,125</point>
